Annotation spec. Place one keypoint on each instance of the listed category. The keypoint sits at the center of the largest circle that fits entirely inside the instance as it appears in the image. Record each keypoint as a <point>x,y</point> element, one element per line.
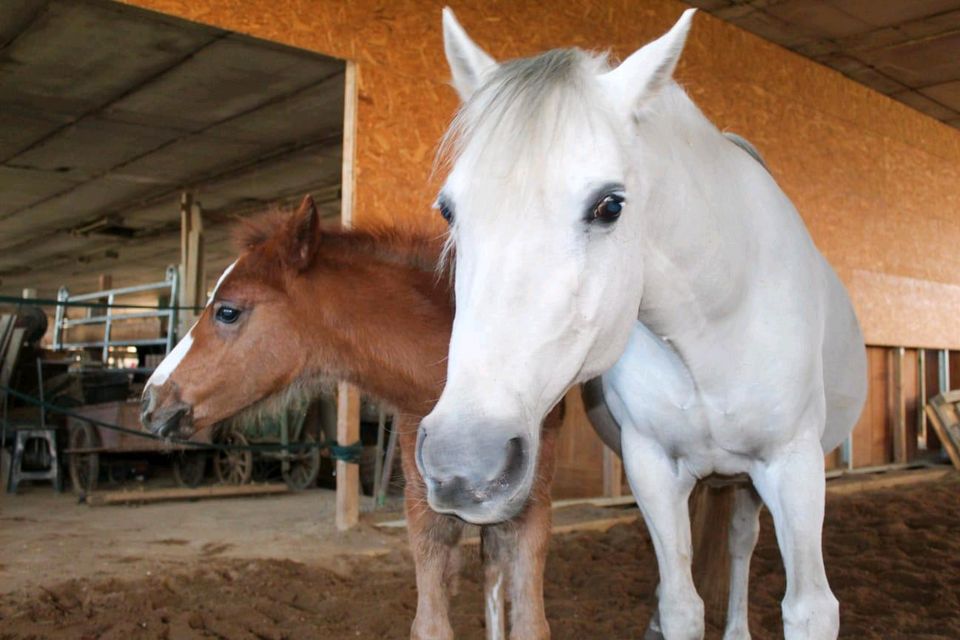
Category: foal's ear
<point>648,70</point>
<point>468,62</point>
<point>304,236</point>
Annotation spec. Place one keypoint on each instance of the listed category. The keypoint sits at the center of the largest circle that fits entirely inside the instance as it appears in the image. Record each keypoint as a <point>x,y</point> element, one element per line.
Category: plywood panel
<point>881,436</point>
<point>874,180</point>
<point>911,390</point>
<point>955,367</point>
<point>933,388</point>
<point>579,454</point>
<point>875,410</point>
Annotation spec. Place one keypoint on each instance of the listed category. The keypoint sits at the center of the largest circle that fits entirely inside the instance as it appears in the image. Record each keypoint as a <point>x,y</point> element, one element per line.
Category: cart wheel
<point>84,467</point>
<point>233,466</point>
<point>304,466</point>
<point>264,469</point>
<point>189,467</point>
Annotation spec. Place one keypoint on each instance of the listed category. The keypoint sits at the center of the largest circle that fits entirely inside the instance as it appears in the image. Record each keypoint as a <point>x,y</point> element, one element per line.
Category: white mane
<point>518,110</point>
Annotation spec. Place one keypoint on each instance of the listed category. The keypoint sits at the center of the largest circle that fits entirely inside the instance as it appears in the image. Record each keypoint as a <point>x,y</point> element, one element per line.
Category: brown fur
<point>368,308</point>
<point>710,511</point>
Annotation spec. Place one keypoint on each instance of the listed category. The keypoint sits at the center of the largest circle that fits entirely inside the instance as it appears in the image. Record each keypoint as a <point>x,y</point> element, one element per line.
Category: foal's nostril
<point>147,405</point>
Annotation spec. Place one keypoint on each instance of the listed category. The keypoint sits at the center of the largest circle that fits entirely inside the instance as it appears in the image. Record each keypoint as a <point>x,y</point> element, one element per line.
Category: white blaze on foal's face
<point>153,417</point>
<point>545,208</point>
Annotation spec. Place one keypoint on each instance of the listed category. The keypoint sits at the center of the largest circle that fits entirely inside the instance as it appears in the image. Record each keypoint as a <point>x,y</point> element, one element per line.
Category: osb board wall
<point>875,181</point>
<point>579,454</point>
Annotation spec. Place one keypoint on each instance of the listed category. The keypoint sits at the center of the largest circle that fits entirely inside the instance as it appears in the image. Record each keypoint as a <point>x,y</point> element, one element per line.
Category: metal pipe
<point>943,360</point>
<point>68,322</point>
<point>846,452</point>
<point>121,291</point>
<point>922,400</point>
<point>114,343</point>
<point>108,326</point>
<point>378,493</point>
<point>62,296</point>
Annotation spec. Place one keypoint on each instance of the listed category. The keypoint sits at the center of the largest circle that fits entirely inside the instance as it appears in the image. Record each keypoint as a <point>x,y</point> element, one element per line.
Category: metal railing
<point>108,317</point>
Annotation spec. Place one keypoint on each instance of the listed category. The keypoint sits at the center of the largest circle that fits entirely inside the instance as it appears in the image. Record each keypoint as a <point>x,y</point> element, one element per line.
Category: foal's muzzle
<point>481,476</point>
<point>164,413</point>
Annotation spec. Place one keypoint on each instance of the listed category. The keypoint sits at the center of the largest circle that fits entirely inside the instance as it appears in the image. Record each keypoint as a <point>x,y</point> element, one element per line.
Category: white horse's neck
<point>716,228</point>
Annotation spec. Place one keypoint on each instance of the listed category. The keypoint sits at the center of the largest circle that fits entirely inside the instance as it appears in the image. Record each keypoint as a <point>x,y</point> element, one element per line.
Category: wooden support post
<point>348,396</point>
<point>348,475</point>
<point>612,474</point>
<point>348,174</point>
<point>192,276</point>
<point>899,406</point>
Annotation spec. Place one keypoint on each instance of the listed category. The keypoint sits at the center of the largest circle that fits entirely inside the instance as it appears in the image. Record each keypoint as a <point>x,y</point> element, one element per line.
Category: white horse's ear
<point>648,70</point>
<point>468,62</point>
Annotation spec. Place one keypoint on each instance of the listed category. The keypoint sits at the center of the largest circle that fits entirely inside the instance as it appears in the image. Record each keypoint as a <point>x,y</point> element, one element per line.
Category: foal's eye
<point>227,315</point>
<point>446,211</point>
<point>608,208</point>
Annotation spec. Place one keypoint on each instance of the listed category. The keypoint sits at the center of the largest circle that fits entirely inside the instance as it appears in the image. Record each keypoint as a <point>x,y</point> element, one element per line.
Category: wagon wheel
<point>304,465</point>
<point>84,465</point>
<point>233,466</point>
<point>264,469</point>
<point>189,466</point>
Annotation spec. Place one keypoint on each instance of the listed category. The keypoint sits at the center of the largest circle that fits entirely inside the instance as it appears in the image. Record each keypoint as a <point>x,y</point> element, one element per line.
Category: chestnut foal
<point>301,307</point>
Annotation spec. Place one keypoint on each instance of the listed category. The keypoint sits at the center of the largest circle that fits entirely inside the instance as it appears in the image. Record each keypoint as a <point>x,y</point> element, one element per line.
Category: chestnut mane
<point>405,246</point>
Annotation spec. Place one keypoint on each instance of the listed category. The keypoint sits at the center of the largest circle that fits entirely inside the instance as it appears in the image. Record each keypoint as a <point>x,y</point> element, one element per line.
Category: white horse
<point>602,225</point>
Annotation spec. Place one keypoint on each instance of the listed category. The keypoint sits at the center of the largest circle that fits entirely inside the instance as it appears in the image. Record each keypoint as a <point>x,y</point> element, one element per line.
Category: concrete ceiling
<point>107,113</point>
<point>906,49</point>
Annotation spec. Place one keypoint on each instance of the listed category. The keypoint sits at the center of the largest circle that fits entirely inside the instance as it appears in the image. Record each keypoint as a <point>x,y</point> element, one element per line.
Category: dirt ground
<point>893,559</point>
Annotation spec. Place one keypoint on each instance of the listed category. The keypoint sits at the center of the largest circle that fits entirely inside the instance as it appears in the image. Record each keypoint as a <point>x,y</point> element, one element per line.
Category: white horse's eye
<point>607,209</point>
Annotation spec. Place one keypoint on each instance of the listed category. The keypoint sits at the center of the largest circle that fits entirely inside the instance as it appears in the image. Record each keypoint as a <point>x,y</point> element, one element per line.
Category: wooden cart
<point>298,452</point>
<point>87,442</point>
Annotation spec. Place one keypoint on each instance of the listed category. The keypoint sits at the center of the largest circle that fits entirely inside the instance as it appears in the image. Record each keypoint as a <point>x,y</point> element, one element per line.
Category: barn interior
<point>110,113</point>
<point>133,142</point>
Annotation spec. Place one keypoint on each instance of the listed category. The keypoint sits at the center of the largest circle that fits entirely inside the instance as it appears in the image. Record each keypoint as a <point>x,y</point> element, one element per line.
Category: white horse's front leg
<point>744,530</point>
<point>662,488</point>
<point>792,485</point>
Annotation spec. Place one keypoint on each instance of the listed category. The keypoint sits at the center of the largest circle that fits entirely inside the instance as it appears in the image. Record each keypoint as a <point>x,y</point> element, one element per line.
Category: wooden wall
<point>875,181</point>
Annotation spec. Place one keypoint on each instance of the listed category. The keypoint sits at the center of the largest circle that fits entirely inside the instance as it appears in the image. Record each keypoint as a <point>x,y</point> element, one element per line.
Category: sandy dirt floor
<point>893,558</point>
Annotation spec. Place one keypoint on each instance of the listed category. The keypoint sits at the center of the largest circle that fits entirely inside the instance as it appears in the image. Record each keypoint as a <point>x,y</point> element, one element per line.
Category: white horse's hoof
<point>653,631</point>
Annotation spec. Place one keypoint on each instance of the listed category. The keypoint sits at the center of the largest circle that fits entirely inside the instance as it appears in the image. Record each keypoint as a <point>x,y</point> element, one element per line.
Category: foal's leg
<point>528,619</point>
<point>434,540</point>
<point>792,485</point>
<point>662,488</point>
<point>496,546</point>
<point>515,552</point>
<point>744,530</point>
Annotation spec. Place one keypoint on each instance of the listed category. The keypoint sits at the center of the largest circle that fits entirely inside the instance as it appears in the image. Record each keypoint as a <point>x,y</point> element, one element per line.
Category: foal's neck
<point>381,317</point>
